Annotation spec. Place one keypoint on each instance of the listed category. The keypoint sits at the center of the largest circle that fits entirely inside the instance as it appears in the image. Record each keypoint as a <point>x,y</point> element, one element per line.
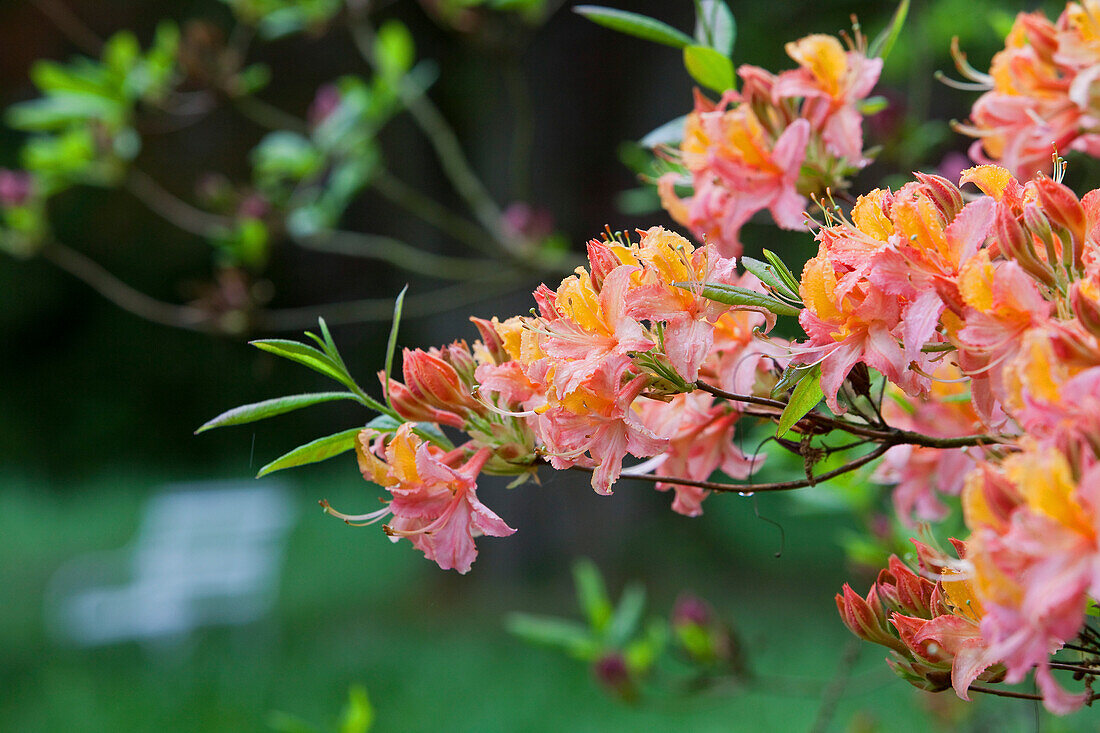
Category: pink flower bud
<point>324,104</point>
<point>491,339</point>
<point>458,355</point>
<point>1063,208</point>
<point>612,672</point>
<point>602,260</point>
<point>946,195</point>
<point>15,188</point>
<point>435,382</point>
<point>1086,309</point>
<point>865,618</point>
<point>413,409</point>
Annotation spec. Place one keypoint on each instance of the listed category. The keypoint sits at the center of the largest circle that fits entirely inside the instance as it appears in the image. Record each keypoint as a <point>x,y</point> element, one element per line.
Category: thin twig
<point>124,296</point>
<point>267,115</point>
<point>432,212</point>
<point>832,694</point>
<point>891,436</point>
<point>755,488</point>
<point>173,209</point>
<point>399,254</point>
<point>71,25</point>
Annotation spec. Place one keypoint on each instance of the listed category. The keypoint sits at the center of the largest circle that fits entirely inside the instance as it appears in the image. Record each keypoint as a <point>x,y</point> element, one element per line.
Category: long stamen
<point>355,520</point>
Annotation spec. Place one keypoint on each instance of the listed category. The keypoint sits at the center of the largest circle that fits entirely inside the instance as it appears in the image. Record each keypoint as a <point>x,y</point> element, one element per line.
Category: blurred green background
<point>98,410</point>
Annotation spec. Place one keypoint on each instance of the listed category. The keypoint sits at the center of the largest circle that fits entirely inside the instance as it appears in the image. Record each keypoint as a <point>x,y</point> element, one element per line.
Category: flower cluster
<point>771,144</point>
<point>999,294</point>
<point>1041,92</point>
<point>605,369</point>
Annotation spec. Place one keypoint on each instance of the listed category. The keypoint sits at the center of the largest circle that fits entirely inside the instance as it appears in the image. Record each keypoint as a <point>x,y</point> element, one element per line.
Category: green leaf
<point>884,41</point>
<point>807,393</point>
<point>872,105</point>
<point>790,377</point>
<point>313,452</point>
<point>782,270</point>
<point>391,344</point>
<point>628,614</point>
<point>308,356</point>
<point>358,713</point>
<point>394,51</point>
<point>592,594</point>
<point>709,67</point>
<point>634,24</point>
<point>569,636</point>
<point>734,295</point>
<point>271,408</point>
<point>768,274</point>
<point>715,26</point>
<point>667,134</point>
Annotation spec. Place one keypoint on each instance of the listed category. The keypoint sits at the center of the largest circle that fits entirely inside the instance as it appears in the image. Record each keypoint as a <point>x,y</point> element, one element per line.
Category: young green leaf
<point>318,450</point>
<point>767,274</point>
<point>807,393</point>
<point>628,614</point>
<point>782,270</point>
<point>271,408</point>
<point>634,24</point>
<point>884,41</point>
<point>715,26</point>
<point>391,344</point>
<point>358,715</point>
<point>569,636</point>
<point>735,295</point>
<point>709,67</point>
<point>308,356</point>
<point>592,594</point>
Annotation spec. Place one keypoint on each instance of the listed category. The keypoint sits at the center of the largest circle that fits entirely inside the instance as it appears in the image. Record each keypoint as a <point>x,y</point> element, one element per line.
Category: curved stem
<point>399,254</point>
<point>71,25</point>
<point>890,436</point>
<point>172,208</point>
<point>401,194</point>
<point>754,488</point>
<point>381,309</point>
<point>267,115</point>
<point>124,296</point>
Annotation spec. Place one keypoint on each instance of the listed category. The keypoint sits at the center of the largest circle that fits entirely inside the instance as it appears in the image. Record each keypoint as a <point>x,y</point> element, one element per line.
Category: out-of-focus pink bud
<point>701,633</point>
<point>946,195</point>
<point>324,104</point>
<point>523,220</point>
<point>1086,309</point>
<point>602,260</point>
<point>254,207</point>
<point>691,609</point>
<point>612,672</point>
<point>492,340</point>
<point>1063,208</point>
<point>15,188</point>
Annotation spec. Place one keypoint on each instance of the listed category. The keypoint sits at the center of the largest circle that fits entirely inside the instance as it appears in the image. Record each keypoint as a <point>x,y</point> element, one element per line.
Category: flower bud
<point>1085,307</point>
<point>947,196</point>
<point>435,382</point>
<point>15,188</point>
<point>602,261</point>
<point>701,634</point>
<point>412,408</point>
<point>494,344</point>
<point>458,355</point>
<point>1018,244</point>
<point>866,618</point>
<point>1063,208</point>
<point>612,672</point>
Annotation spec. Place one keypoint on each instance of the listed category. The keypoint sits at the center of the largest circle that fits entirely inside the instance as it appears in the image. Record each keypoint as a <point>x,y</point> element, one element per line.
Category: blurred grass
<point>429,646</point>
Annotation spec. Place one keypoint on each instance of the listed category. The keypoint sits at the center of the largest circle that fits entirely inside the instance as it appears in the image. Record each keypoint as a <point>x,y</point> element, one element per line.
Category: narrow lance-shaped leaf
<point>628,614</point>
<point>313,452</point>
<point>735,295</point>
<point>807,393</point>
<point>305,355</point>
<point>591,594</point>
<point>570,636</point>
<point>715,26</point>
<point>767,274</point>
<point>391,344</point>
<point>635,24</point>
<point>271,408</point>
<point>782,270</point>
<point>709,67</point>
<point>884,41</point>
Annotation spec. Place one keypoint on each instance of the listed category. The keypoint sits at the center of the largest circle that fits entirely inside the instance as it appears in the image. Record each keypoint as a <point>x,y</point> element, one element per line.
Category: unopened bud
<point>1017,244</point>
<point>1085,307</point>
<point>492,340</point>
<point>1063,208</point>
<point>15,188</point>
<point>435,382</point>
<point>458,355</point>
<point>1039,226</point>
<point>865,618</point>
<point>946,195</point>
<point>612,672</point>
<point>602,261</point>
<point>409,406</point>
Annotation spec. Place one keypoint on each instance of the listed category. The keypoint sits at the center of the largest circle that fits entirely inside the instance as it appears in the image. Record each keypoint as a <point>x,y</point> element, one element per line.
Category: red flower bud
<point>413,409</point>
<point>1086,309</point>
<point>865,620</point>
<point>435,382</point>
<point>1016,243</point>
<point>602,261</point>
